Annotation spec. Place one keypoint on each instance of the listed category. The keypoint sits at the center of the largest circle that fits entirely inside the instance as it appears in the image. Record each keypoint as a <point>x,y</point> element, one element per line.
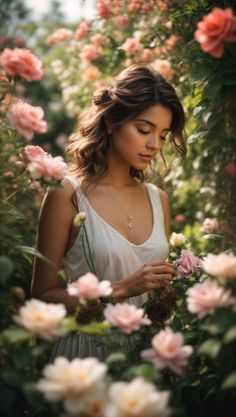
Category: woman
<point>127,220</point>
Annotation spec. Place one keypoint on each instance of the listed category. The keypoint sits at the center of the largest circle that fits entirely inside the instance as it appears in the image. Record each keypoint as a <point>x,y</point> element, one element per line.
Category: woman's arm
<point>55,221</point>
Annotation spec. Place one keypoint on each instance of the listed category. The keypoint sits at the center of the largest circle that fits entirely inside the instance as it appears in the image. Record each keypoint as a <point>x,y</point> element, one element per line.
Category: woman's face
<point>137,141</point>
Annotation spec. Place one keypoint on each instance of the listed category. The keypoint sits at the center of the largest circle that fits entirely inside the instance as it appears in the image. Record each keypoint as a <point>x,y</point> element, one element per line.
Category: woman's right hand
<point>148,277</point>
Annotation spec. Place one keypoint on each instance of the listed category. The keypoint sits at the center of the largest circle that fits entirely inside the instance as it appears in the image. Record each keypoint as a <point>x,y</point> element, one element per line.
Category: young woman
<point>127,219</point>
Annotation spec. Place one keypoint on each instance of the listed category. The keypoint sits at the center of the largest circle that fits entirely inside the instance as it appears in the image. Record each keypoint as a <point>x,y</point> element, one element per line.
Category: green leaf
<point>213,328</point>
<point>6,268</point>
<point>213,89</point>
<point>230,381</point>
<point>146,371</point>
<point>211,236</point>
<point>116,357</point>
<point>34,252</point>
<point>95,328</point>
<point>196,136</point>
<point>210,347</point>
<point>230,335</point>
<point>200,72</point>
<point>15,335</point>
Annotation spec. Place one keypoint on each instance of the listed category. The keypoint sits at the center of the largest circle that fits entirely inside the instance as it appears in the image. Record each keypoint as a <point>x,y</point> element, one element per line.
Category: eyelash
<point>144,132</point>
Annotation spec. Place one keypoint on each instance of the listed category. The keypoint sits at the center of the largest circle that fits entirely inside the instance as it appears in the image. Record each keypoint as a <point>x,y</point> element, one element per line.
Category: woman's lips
<point>146,157</point>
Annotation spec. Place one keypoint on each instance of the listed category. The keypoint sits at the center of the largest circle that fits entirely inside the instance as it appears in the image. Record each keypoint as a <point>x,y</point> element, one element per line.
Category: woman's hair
<point>132,92</point>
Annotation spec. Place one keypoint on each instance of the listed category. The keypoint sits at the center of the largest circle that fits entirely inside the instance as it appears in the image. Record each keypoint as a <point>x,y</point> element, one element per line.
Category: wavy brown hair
<point>132,92</point>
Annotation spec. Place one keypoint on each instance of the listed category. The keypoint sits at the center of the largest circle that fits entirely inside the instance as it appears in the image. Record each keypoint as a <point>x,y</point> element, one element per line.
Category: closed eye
<point>144,132</point>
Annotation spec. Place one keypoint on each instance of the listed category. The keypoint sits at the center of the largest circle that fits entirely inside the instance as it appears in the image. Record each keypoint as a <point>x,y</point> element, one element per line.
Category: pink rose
<point>125,316</point>
<point>169,351</point>
<point>88,287</point>
<point>146,55</point>
<point>164,67</point>
<point>58,36</point>
<point>131,46</point>
<point>122,21</point>
<point>188,264</point>
<point>231,168</point>
<point>27,119</point>
<point>162,5</point>
<point>209,225</point>
<point>20,61</point>
<point>180,218</point>
<point>82,30</point>
<point>104,8</point>
<point>32,153</point>
<point>89,53</point>
<point>134,6</point>
<point>216,28</point>
<point>223,264</point>
<point>203,298</point>
<point>98,39</point>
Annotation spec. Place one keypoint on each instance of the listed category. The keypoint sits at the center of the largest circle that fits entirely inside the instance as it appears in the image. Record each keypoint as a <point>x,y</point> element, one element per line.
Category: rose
<point>82,30</point>
<point>223,264</point>
<point>169,351</point>
<point>79,219</point>
<point>104,8</point>
<point>131,46</point>
<point>27,119</point>
<point>215,28</point>
<point>188,264</point>
<point>88,287</point>
<point>20,61</point>
<point>203,298</point>
<point>125,316</point>
<point>177,239</point>
<point>89,52</point>
<point>137,398</point>
<point>209,225</point>
<point>44,319</point>
<point>164,67</point>
<point>58,36</point>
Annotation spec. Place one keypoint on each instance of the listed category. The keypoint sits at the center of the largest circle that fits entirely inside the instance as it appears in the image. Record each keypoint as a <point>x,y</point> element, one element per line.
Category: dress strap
<point>74,181</point>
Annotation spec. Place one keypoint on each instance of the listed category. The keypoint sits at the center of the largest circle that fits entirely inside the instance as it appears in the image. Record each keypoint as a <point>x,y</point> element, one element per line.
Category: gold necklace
<point>129,215</point>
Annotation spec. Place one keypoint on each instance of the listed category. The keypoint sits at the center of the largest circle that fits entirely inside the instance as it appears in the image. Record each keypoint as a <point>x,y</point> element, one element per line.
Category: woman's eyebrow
<point>151,123</point>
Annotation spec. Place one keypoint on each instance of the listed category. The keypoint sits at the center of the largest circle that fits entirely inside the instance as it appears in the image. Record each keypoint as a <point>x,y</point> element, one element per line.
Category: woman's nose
<point>155,142</point>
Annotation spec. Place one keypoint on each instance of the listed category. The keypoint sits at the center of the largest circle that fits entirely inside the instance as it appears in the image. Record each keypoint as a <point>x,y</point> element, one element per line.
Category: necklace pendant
<point>130,225</point>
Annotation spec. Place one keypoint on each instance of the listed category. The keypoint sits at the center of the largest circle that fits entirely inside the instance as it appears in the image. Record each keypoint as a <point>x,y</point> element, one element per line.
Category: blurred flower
<point>79,218</point>
<point>88,287</point>
<point>19,292</point>
<point>223,264</point>
<point>92,73</point>
<point>164,67</point>
<point>125,316</point>
<point>40,164</point>
<point>216,28</point>
<point>231,168</point>
<point>27,119</point>
<point>82,30</point>
<point>122,21</point>
<point>58,36</point>
<point>61,140</point>
<point>137,398</point>
<point>209,225</point>
<point>177,239</point>
<point>147,6</point>
<point>169,24</point>
<point>171,42</point>
<point>44,319</point>
<point>188,264</point>
<point>98,39</point>
<point>168,350</point>
<point>75,383</point>
<point>134,6</point>
<point>21,61</point>
<point>162,5</point>
<point>89,52</point>
<point>203,298</point>
<point>146,55</point>
<point>104,8</point>
<point>131,46</point>
<point>180,218</point>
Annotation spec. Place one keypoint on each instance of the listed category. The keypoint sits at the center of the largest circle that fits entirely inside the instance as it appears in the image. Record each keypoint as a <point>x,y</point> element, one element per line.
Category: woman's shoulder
<point>163,194</point>
<point>60,198</point>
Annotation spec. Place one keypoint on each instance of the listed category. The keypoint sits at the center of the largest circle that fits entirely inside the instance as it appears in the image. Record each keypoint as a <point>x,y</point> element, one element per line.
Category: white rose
<point>44,319</point>
<point>177,239</point>
<point>223,264</point>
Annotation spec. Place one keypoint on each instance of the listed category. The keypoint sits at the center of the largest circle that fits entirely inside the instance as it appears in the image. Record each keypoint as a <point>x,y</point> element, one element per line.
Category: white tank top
<point>114,256</point>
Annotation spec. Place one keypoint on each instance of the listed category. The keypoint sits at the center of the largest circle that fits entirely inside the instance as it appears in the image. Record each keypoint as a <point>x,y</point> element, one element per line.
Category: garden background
<point>76,60</point>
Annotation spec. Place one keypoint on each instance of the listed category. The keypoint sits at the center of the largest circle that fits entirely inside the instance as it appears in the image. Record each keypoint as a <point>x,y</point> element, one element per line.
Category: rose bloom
<point>168,350</point>
<point>20,61</point>
<point>88,287</point>
<point>44,319</point>
<point>177,239</point>
<point>89,53</point>
<point>98,39</point>
<point>209,225</point>
<point>231,168</point>
<point>188,264</point>
<point>180,218</point>
<point>104,8</point>
<point>92,73</point>
<point>27,119</point>
<point>203,298</point>
<point>79,218</point>
<point>137,398</point>
<point>146,55</point>
<point>125,316</point>
<point>223,264</point>
<point>134,6</point>
<point>58,36</point>
<point>48,168</point>
<point>82,30</point>
<point>131,46</point>
<point>162,5</point>
<point>74,383</point>
<point>122,21</point>
<point>216,28</point>
<point>164,67</point>
<point>32,153</point>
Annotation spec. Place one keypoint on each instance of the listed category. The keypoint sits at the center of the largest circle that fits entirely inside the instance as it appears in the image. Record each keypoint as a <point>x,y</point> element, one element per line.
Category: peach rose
<point>60,35</point>
<point>88,287</point>
<point>203,298</point>
<point>92,73</point>
<point>217,27</point>
<point>146,55</point>
<point>98,39</point>
<point>104,8</point>
<point>125,316</point>
<point>20,61</point>
<point>131,46</point>
<point>122,21</point>
<point>27,119</point>
<point>164,67</point>
<point>89,53</point>
<point>82,30</point>
<point>169,351</point>
<point>134,6</point>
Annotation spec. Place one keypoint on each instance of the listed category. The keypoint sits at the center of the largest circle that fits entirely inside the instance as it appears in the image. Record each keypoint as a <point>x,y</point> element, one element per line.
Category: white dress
<point>114,258</point>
